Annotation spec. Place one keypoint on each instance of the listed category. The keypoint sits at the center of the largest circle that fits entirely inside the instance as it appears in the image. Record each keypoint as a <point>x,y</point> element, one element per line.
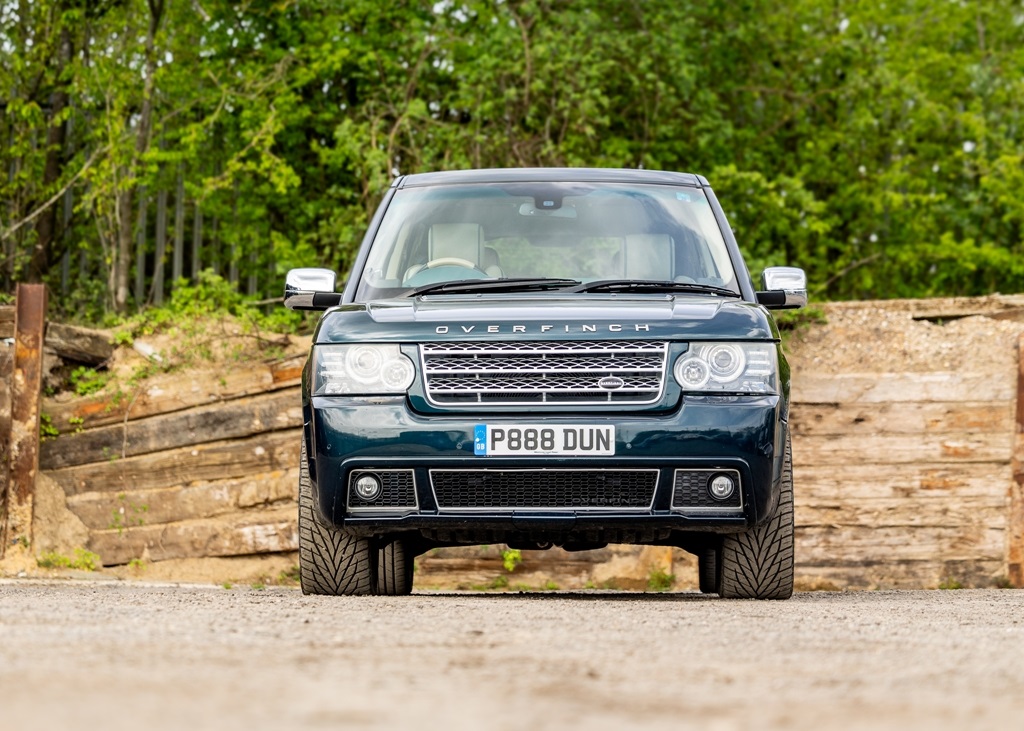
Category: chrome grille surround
<point>524,490</point>
<point>551,373</point>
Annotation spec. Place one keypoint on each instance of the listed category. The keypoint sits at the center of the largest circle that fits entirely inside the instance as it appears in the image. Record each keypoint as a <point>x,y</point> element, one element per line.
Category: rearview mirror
<point>310,288</point>
<point>784,288</point>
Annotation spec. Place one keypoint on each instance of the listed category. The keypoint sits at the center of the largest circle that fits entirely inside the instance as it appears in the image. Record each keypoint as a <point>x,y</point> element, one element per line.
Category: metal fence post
<point>26,387</point>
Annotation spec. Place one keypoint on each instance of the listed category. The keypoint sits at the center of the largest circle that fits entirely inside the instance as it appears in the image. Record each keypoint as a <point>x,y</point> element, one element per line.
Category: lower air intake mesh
<point>544,489</point>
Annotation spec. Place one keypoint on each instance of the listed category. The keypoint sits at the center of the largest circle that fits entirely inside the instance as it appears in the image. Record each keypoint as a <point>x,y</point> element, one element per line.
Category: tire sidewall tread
<point>758,564</point>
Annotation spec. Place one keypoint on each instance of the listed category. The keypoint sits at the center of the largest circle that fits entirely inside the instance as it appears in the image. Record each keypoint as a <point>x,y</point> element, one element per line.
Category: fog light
<point>721,487</point>
<point>368,487</point>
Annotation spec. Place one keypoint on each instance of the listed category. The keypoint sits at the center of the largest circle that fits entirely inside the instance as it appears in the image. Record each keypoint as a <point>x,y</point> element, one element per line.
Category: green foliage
<point>949,583</point>
<point>81,560</point>
<point>191,304</point>
<point>46,428</point>
<point>878,146</point>
<point>510,558</point>
<point>84,380</point>
<point>660,581</point>
<point>207,320</point>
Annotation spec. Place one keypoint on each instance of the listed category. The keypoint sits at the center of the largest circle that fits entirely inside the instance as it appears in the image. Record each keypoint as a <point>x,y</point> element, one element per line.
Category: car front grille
<point>545,373</point>
<point>613,490</point>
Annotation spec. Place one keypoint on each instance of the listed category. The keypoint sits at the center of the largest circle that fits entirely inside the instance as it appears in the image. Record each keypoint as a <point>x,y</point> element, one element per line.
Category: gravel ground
<point>112,655</point>
<point>874,337</point>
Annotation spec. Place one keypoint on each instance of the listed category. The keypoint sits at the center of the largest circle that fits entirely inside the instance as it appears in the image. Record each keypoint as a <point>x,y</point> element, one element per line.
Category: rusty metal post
<point>6,365</point>
<point>26,385</point>
<point>1015,523</point>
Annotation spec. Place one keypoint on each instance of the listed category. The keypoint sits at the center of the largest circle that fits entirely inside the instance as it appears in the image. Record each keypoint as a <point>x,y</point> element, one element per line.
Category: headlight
<point>728,367</point>
<point>360,369</point>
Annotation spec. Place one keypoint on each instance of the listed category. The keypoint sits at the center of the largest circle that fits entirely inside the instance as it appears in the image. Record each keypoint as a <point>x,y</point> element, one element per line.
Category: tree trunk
<point>46,223</point>
<point>142,135</point>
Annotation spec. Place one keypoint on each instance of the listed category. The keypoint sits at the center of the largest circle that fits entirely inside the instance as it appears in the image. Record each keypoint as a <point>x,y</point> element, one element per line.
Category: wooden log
<point>969,514</point>
<point>6,321</point>
<point>928,574</point>
<point>836,544</point>
<point>166,393</point>
<point>936,308</point>
<point>904,481</point>
<point>246,533</point>
<point>999,307</point>
<point>874,388</point>
<point>230,420</point>
<point>80,344</point>
<point>133,508</point>
<point>1015,531</point>
<point>926,449</point>
<point>902,418</point>
<point>266,452</point>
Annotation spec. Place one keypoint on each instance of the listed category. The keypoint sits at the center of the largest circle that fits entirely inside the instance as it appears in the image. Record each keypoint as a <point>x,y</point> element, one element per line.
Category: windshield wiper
<point>523,284</point>
<point>650,285</point>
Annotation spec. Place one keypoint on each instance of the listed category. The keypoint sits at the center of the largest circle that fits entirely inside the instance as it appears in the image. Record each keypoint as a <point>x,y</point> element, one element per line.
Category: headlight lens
<point>360,369</point>
<point>728,367</point>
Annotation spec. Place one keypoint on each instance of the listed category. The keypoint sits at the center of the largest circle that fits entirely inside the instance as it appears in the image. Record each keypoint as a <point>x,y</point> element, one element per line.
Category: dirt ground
<point>118,655</point>
<point>908,336</point>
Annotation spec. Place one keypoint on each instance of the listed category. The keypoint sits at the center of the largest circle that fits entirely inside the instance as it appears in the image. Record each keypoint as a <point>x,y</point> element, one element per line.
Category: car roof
<point>549,175</point>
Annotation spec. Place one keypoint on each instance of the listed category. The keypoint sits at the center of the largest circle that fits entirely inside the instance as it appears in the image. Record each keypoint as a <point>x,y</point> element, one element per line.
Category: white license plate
<point>524,440</point>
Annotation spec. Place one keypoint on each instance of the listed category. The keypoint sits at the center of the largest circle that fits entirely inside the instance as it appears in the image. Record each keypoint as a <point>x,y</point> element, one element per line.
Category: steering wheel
<point>451,261</point>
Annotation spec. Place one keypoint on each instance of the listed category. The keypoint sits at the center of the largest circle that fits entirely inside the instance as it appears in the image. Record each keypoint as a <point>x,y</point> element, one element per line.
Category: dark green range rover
<point>546,357</point>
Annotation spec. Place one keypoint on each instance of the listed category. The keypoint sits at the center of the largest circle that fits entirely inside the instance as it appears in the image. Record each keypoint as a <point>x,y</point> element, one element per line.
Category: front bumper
<point>742,435</point>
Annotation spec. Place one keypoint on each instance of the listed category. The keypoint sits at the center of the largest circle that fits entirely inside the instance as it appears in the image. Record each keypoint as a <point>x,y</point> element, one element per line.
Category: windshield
<point>583,232</point>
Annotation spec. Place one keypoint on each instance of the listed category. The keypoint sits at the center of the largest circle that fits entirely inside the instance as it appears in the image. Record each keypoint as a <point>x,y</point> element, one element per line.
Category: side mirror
<point>784,288</point>
<point>310,289</point>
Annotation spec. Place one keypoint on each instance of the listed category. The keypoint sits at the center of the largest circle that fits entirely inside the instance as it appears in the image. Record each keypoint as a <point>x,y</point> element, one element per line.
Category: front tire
<point>758,564</point>
<point>330,561</point>
<point>708,561</point>
<point>394,568</point>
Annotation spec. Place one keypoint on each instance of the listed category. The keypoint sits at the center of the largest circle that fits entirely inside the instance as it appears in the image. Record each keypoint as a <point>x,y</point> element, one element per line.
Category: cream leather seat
<point>448,244</point>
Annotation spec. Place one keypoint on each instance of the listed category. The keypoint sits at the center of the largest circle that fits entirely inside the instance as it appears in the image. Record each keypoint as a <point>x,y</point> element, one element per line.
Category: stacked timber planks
<point>904,478</point>
<point>202,468</point>
<point>907,458</point>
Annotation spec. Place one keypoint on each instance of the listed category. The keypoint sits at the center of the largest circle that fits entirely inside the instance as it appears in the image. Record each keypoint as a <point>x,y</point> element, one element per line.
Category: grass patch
<point>658,580</point>
<point>81,560</point>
